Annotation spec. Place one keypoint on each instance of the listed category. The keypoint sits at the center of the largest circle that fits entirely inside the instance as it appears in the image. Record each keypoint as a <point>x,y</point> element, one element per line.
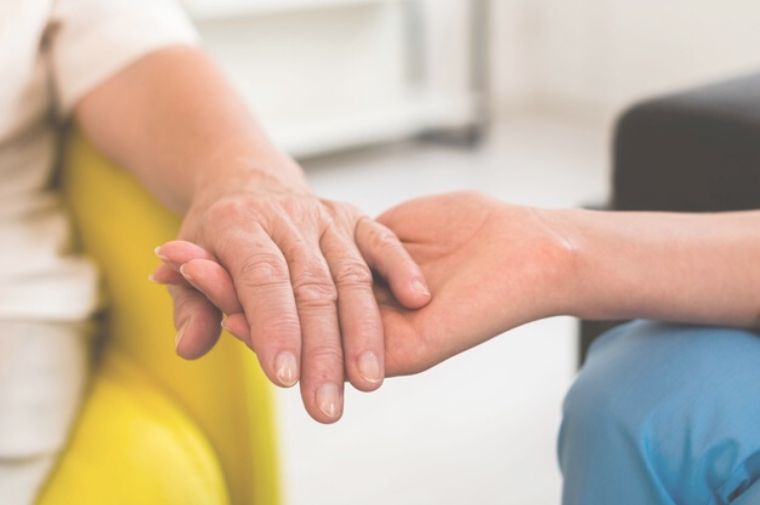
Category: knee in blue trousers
<point>663,415</point>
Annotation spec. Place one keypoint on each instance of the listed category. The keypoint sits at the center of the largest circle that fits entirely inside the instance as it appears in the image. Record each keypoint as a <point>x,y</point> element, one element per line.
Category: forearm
<point>173,120</point>
<point>692,268</point>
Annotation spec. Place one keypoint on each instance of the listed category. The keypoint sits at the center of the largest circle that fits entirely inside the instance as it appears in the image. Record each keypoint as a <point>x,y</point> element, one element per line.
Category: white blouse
<point>52,53</point>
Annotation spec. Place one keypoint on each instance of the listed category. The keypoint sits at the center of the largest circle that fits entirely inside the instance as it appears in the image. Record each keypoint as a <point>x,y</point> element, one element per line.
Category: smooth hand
<point>300,278</point>
<point>490,266</point>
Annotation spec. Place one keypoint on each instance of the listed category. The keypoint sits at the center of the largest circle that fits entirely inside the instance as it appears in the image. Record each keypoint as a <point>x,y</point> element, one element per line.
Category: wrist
<point>549,274</point>
<point>565,253</point>
<point>593,277</point>
<point>245,165</point>
<point>601,276</point>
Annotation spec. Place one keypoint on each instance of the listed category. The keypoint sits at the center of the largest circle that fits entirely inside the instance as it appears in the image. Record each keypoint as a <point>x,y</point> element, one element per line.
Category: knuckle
<point>295,206</point>
<point>353,273</point>
<point>382,238</point>
<point>235,214</point>
<point>280,329</point>
<point>367,331</point>
<point>342,208</point>
<point>314,290</point>
<point>299,252</point>
<point>262,270</point>
<point>228,209</point>
<point>327,355</point>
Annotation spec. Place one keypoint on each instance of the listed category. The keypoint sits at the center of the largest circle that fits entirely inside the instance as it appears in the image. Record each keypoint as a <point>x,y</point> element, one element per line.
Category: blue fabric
<point>664,415</point>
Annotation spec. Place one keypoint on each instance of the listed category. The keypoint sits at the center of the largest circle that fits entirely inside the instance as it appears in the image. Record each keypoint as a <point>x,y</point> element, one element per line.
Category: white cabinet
<point>324,75</point>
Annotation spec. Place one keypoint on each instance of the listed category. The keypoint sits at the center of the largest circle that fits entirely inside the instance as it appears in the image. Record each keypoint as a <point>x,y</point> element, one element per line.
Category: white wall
<point>331,74</point>
<point>595,56</point>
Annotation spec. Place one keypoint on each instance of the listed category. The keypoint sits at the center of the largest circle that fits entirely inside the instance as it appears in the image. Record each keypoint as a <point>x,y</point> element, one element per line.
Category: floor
<point>481,427</point>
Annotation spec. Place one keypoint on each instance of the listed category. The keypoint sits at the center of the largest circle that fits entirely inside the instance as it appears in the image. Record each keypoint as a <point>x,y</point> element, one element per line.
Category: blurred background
<point>385,100</point>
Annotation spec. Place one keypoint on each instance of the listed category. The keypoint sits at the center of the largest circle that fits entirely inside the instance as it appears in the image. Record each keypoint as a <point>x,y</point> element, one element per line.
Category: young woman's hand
<point>490,266</point>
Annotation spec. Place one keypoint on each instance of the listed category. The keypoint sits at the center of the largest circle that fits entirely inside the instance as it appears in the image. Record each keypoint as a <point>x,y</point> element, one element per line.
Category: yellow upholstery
<point>155,429</point>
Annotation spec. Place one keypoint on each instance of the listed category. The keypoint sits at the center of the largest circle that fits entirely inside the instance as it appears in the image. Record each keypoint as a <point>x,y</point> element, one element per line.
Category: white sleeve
<point>95,39</point>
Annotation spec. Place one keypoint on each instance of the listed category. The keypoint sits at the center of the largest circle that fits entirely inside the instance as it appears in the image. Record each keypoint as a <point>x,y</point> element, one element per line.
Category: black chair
<point>693,151</point>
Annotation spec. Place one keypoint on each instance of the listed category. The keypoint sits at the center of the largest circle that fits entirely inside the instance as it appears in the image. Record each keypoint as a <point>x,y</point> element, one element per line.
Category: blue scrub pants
<point>664,415</point>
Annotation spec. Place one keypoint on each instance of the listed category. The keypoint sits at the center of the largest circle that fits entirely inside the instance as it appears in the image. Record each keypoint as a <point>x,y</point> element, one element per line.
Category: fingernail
<point>183,272</point>
<point>157,252</point>
<point>286,368</point>
<point>328,400</point>
<point>180,334</point>
<point>152,278</point>
<point>369,367</point>
<point>225,324</point>
<point>420,287</point>
<point>188,277</point>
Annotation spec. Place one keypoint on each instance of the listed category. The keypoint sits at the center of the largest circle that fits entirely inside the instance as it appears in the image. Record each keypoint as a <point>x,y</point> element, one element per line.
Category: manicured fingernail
<point>180,334</point>
<point>286,368</point>
<point>157,252</point>
<point>189,278</point>
<point>328,400</point>
<point>369,367</point>
<point>420,287</point>
<point>225,324</point>
<point>183,271</point>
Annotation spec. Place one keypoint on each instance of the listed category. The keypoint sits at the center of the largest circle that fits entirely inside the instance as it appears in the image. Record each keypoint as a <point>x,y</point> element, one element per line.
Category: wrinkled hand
<point>300,276</point>
<point>490,267</point>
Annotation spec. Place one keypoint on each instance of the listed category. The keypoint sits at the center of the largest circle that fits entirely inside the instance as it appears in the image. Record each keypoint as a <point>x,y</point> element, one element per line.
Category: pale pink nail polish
<point>183,272</point>
<point>157,252</point>
<point>286,368</point>
<point>328,400</point>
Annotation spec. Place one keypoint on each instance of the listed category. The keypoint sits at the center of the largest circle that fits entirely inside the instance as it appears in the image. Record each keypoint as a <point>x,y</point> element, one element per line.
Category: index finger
<point>178,252</point>
<point>385,253</point>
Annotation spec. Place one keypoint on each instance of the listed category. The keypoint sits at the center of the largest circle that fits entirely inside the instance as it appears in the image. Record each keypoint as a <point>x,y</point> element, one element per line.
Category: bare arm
<point>173,120</point>
<point>693,268</point>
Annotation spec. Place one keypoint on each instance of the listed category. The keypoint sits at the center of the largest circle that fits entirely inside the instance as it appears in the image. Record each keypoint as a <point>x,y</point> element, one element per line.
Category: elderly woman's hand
<point>301,273</point>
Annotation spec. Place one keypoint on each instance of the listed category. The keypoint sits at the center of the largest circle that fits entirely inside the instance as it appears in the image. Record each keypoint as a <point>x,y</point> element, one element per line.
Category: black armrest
<point>694,151</point>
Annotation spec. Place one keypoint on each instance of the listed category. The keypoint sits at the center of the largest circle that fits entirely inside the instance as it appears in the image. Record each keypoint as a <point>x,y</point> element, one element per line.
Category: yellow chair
<point>154,429</point>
